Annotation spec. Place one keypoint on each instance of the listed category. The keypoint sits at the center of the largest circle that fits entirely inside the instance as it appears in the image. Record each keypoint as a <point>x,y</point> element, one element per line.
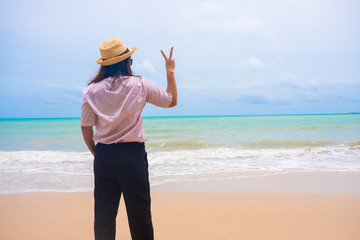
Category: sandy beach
<point>203,210</point>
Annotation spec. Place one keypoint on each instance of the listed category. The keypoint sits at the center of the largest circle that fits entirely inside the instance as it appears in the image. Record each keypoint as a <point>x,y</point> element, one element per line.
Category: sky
<point>244,57</point>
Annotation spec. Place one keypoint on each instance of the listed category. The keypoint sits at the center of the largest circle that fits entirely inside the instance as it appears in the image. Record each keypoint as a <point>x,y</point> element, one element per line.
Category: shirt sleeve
<point>155,95</point>
<point>88,116</point>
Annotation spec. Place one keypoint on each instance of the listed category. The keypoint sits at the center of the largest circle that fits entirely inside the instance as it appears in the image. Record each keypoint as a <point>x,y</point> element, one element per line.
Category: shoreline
<point>333,183</point>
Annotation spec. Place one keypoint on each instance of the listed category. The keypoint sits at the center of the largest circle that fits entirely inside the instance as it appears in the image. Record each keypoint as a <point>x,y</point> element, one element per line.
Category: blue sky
<point>233,57</point>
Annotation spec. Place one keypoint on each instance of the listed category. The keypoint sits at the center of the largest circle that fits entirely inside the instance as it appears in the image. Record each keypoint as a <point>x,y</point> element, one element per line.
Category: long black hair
<point>116,70</point>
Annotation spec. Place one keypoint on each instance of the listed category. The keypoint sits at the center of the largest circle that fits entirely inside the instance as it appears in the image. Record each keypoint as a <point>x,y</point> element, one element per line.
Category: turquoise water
<point>40,134</point>
<point>189,132</point>
<point>237,130</point>
<point>49,154</point>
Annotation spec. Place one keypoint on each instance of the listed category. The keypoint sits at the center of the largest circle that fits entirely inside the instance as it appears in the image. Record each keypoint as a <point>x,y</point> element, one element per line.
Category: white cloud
<point>193,87</point>
<point>223,18</point>
<point>256,63</point>
<point>234,26</point>
<point>286,75</point>
<point>144,67</point>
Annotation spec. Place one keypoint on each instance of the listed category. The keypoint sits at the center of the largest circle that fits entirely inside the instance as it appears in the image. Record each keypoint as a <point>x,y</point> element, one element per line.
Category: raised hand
<point>170,75</point>
<point>169,61</point>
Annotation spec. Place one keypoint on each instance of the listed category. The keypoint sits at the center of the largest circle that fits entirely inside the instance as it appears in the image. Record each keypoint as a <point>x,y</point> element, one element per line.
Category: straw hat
<point>113,51</point>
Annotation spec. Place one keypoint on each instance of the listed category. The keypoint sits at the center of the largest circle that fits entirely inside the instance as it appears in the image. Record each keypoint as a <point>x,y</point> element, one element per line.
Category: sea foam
<point>72,171</point>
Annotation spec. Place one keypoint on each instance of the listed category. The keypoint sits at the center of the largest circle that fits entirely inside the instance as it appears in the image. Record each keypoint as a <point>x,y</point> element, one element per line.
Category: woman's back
<point>115,105</point>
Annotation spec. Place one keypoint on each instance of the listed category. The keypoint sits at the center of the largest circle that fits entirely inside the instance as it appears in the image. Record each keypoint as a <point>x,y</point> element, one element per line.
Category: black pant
<point>122,168</point>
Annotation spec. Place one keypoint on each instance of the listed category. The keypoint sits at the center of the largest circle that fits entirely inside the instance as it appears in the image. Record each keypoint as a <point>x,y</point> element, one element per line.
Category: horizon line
<point>180,116</point>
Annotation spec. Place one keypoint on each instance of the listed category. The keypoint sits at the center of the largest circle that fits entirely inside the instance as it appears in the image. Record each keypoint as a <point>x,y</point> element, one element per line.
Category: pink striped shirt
<point>115,107</point>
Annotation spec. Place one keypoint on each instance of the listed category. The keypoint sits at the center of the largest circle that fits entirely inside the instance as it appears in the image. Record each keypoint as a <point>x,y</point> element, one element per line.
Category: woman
<point>113,102</point>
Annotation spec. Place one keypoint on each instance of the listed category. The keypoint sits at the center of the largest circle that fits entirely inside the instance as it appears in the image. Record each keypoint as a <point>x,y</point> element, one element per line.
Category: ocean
<point>49,155</point>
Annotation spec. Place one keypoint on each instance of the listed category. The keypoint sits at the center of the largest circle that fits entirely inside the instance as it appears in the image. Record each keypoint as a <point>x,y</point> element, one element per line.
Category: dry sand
<point>197,213</point>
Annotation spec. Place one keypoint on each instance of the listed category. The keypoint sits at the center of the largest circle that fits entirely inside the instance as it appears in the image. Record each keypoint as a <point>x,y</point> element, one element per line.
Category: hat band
<point>126,51</point>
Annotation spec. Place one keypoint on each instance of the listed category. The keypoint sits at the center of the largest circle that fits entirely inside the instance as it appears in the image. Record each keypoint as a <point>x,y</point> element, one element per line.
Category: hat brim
<point>117,59</point>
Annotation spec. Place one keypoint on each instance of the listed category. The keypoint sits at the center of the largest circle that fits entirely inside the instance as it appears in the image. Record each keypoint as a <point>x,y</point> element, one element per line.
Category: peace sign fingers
<point>169,61</point>
<point>170,56</point>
